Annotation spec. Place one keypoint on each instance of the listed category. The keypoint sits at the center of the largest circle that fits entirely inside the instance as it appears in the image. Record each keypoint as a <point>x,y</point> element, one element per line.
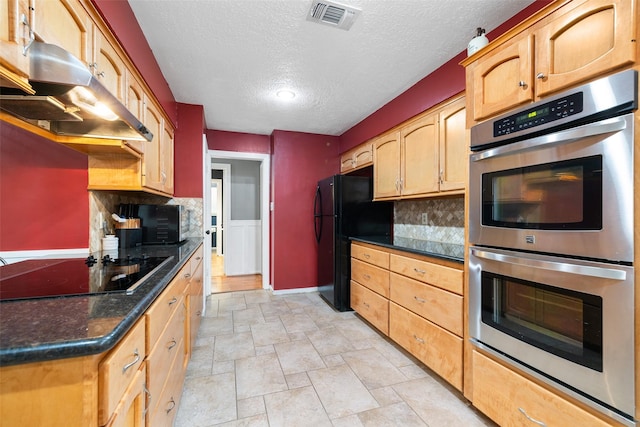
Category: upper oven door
<point>568,193</point>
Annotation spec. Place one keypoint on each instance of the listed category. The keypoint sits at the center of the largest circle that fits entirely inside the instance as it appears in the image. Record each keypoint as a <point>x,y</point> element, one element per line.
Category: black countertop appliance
<point>343,208</point>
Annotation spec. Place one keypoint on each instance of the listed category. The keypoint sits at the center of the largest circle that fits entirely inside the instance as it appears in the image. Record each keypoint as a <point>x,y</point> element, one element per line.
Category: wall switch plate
<point>425,219</point>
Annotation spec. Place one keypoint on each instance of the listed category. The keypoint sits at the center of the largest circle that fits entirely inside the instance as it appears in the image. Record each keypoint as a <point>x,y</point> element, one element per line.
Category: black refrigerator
<point>343,208</point>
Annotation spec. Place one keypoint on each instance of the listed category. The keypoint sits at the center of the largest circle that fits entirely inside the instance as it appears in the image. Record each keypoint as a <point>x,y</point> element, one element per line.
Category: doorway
<point>239,251</point>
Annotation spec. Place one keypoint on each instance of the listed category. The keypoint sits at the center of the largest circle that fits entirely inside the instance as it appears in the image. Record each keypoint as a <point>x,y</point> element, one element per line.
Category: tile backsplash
<point>445,219</point>
<point>103,203</point>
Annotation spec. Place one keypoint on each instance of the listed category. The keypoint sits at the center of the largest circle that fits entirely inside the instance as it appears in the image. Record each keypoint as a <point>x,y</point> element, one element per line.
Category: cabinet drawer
<point>195,262</point>
<point>131,409</point>
<point>163,412</point>
<point>372,256</point>
<point>169,346</point>
<point>437,275</point>
<point>370,276</point>
<point>437,348</point>
<point>371,306</point>
<point>439,306</point>
<point>170,300</point>
<point>504,404</point>
<point>116,371</point>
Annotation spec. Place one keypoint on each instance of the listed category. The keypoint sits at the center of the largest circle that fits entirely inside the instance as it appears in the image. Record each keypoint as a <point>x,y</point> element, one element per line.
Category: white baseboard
<point>294,291</point>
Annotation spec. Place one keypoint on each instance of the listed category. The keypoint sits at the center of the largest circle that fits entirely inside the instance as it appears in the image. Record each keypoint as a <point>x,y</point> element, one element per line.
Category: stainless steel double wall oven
<point>551,228</point>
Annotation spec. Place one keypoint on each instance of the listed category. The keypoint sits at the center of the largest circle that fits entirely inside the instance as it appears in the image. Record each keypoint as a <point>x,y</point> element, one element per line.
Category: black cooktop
<point>47,278</point>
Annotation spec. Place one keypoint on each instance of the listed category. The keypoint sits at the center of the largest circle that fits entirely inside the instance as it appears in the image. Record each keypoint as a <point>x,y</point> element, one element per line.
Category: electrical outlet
<point>425,219</point>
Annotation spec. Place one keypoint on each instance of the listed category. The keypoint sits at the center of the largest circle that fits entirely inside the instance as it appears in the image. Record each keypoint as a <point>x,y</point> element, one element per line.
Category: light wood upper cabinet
<point>453,147</point>
<point>386,169</point>
<point>64,23</point>
<point>424,157</point>
<point>577,42</point>
<point>134,100</point>
<point>14,37</point>
<point>357,158</point>
<point>108,66</point>
<point>589,40</point>
<point>151,169</point>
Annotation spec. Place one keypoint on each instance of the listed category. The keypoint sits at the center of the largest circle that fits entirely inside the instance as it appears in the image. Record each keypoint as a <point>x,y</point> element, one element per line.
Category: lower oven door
<point>569,322</point>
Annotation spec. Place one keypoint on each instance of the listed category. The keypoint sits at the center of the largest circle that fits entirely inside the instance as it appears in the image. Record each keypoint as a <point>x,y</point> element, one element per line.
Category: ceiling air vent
<point>334,14</point>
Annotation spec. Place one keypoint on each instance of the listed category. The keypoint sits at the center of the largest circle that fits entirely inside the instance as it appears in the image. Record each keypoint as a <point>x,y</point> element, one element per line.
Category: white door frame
<point>223,219</point>
<point>265,185</point>
<point>218,184</point>
<point>206,220</point>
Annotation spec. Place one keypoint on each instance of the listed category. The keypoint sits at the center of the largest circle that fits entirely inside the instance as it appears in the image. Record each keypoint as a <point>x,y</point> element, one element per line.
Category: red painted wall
<point>44,202</point>
<point>443,83</point>
<point>298,162</point>
<point>188,151</point>
<point>238,141</point>
<point>123,23</point>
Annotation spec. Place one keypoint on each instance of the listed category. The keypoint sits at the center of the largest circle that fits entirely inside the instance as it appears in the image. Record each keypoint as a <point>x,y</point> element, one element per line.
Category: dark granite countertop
<point>55,328</point>
<point>448,251</point>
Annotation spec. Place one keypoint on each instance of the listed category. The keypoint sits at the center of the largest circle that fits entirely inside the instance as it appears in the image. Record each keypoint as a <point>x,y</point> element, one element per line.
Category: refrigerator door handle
<point>317,214</point>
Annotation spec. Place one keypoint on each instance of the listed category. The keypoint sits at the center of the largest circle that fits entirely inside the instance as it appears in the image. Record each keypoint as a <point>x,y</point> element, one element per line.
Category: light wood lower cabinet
<point>137,383</point>
<point>437,348</point>
<point>371,306</point>
<point>512,400</point>
<point>418,303</point>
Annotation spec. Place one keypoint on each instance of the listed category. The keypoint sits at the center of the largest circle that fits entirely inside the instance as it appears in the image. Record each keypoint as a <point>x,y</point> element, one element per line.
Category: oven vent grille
<point>331,13</point>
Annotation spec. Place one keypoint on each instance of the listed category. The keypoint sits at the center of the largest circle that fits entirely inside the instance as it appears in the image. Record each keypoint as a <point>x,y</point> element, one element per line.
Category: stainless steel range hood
<point>69,99</point>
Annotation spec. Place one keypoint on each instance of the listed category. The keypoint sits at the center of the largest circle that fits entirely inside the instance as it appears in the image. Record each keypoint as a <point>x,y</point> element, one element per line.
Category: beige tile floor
<point>291,360</point>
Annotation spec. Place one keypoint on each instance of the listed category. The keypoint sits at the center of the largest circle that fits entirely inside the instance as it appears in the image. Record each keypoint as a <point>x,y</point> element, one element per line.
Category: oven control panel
<point>539,115</point>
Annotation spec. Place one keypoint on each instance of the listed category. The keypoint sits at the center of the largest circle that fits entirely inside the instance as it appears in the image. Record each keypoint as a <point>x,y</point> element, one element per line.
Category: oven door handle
<point>582,270</point>
<point>615,124</point>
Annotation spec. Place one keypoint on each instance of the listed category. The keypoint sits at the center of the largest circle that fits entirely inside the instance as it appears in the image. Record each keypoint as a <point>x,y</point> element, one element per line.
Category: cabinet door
<point>108,67</point>
<point>66,24</point>
<point>503,78</point>
<point>14,36</point>
<point>131,411</point>
<point>134,100</point>
<point>346,162</point>
<point>363,155</point>
<point>594,38</point>
<point>386,171</point>
<point>166,159</point>
<point>151,166</point>
<point>373,307</point>
<point>453,146</point>
<point>419,148</point>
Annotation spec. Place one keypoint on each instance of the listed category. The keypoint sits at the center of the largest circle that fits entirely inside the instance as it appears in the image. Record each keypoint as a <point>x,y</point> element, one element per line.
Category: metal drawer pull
<point>419,271</point>
<point>366,276</point>
<point>367,256</point>
<point>365,304</point>
<point>419,299</point>
<point>136,360</point>
<point>522,84</point>
<point>187,275</point>
<point>173,405</point>
<point>417,338</point>
<point>172,344</point>
<point>540,76</point>
<point>533,420</point>
<point>173,301</point>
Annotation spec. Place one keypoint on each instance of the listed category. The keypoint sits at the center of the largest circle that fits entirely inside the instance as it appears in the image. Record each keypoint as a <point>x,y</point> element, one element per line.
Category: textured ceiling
<point>231,56</point>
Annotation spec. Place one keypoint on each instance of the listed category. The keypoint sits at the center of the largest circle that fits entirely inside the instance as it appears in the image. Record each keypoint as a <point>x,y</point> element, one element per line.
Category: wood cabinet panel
<point>373,307</point>
<point>131,410</point>
<point>419,153</point>
<point>512,400</point>
<point>14,37</point>
<point>372,256</point>
<point>372,277</point>
<point>169,302</point>
<point>386,171</point>
<point>64,23</point>
<point>453,147</point>
<point>108,67</point>
<point>437,348</point>
<point>590,40</point>
<point>443,308</point>
<point>357,158</point>
<point>443,277</point>
<point>117,370</point>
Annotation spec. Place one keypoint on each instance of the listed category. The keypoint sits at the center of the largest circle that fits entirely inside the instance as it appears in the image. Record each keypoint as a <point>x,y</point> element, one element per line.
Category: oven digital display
<point>543,114</point>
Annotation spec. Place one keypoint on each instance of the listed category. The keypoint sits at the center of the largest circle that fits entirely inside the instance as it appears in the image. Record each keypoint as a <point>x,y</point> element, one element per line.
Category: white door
<point>206,212</point>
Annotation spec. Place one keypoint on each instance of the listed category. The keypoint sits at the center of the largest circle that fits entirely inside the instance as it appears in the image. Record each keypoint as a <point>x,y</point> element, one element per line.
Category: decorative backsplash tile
<point>445,220</point>
<point>106,203</point>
